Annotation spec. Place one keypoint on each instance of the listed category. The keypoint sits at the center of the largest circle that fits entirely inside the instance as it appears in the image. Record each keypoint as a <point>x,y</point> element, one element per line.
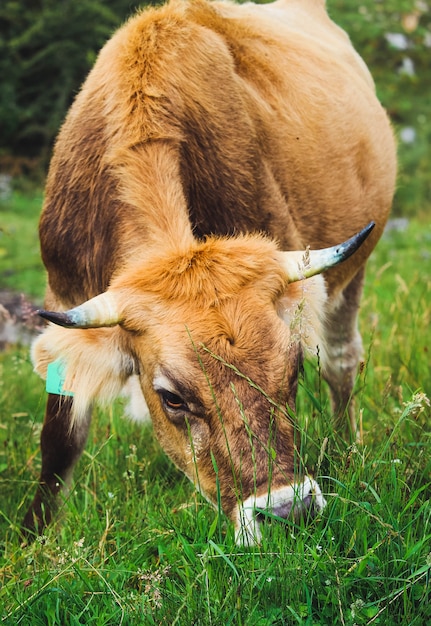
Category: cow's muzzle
<point>300,499</point>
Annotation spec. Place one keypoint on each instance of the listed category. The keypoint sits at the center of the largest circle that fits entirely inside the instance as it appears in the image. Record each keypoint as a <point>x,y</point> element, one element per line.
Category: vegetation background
<point>136,544</point>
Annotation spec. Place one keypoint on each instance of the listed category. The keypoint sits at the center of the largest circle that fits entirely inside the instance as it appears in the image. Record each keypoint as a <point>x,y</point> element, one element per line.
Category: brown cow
<point>208,141</point>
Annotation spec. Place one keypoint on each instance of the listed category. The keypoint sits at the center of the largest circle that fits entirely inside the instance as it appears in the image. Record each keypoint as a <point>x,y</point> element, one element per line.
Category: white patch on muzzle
<point>281,502</point>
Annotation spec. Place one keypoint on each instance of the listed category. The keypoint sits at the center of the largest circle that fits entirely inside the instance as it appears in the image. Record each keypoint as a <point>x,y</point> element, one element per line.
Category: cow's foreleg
<point>343,351</point>
<point>61,448</point>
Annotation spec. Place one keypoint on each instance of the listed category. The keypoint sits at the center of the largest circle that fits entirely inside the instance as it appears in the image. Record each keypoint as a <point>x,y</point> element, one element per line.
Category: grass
<point>21,268</point>
<point>136,545</point>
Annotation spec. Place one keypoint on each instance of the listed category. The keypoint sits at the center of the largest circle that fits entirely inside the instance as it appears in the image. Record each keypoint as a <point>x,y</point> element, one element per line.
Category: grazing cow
<point>214,160</point>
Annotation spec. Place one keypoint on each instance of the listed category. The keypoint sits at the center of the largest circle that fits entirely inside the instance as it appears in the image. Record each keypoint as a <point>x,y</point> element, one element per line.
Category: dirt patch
<point>19,322</point>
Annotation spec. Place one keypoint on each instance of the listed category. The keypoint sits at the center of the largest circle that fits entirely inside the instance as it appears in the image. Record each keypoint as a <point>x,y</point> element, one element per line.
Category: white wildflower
<point>42,539</point>
<point>408,135</point>
<point>417,404</point>
<point>356,606</point>
<point>397,40</point>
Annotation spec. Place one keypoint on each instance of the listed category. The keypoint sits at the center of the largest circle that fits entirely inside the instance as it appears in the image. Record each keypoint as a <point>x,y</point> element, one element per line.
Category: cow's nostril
<point>295,507</point>
<point>307,501</point>
<point>300,500</point>
<point>283,510</point>
<point>304,506</point>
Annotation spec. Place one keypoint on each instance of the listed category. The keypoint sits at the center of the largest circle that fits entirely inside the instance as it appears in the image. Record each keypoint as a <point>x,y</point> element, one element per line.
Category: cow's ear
<point>94,362</point>
<point>302,308</point>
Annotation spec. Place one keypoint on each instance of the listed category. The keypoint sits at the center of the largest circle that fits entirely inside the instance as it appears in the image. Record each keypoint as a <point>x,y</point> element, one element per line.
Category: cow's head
<point>215,335</point>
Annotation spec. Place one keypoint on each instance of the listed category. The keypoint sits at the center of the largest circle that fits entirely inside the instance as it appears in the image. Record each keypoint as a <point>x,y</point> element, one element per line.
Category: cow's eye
<point>172,401</point>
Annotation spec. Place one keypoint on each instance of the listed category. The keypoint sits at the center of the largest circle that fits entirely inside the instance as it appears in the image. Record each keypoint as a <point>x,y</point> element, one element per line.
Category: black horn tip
<point>61,319</point>
<point>363,234</point>
<point>351,245</point>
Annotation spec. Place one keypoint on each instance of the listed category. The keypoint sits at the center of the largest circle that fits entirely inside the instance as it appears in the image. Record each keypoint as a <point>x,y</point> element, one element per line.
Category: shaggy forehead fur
<point>207,272</point>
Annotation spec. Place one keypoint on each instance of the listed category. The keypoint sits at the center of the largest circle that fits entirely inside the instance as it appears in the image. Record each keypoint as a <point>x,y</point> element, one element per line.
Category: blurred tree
<point>47,47</point>
<point>394,38</point>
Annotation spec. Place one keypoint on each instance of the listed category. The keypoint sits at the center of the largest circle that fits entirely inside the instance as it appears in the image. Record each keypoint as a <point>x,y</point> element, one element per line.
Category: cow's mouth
<point>292,501</point>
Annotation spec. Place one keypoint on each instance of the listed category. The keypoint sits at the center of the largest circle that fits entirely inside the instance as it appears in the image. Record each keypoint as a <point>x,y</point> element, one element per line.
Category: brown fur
<point>199,126</point>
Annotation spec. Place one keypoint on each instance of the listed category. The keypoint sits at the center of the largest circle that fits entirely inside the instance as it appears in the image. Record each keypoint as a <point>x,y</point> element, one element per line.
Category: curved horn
<point>300,265</point>
<point>100,311</point>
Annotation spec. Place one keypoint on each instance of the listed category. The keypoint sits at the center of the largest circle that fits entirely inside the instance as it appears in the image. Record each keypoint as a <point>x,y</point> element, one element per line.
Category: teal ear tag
<point>55,377</point>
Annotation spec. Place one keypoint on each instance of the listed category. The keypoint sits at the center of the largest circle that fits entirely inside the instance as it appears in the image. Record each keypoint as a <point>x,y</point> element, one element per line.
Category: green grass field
<point>135,544</point>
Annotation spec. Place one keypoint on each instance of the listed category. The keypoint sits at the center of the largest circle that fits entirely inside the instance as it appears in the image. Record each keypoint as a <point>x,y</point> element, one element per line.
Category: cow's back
<point>273,120</point>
